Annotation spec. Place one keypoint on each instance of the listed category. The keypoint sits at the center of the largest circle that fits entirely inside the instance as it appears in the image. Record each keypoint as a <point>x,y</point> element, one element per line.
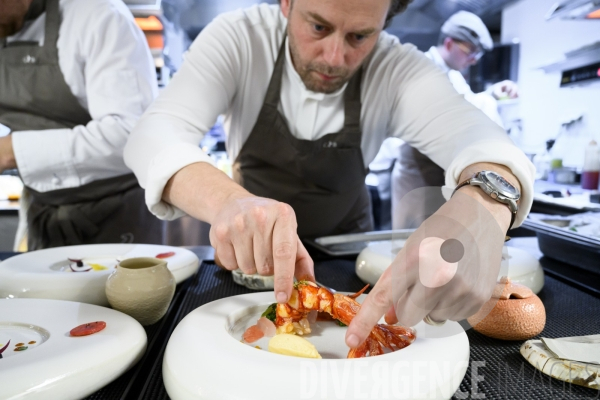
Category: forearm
<point>500,211</point>
<point>7,155</point>
<point>201,190</point>
<point>80,155</point>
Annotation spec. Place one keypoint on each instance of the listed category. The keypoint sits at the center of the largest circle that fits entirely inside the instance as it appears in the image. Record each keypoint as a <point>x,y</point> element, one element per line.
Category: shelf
<point>586,55</point>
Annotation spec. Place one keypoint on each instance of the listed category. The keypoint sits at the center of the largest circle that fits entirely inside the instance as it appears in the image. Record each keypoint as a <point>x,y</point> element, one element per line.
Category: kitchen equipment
<point>566,245</point>
<point>562,175</point>
<point>354,243</point>
<point>591,167</point>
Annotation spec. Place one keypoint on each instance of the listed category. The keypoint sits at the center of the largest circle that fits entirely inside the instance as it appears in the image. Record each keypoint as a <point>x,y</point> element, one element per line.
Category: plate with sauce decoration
<point>40,359</point>
<point>79,273</point>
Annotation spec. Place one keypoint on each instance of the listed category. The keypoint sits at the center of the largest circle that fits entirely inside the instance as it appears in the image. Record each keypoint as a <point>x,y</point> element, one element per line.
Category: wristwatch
<point>497,188</point>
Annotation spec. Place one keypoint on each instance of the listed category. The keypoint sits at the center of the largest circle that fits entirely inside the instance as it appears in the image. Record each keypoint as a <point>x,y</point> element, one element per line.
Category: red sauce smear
<point>88,329</point>
<point>165,255</point>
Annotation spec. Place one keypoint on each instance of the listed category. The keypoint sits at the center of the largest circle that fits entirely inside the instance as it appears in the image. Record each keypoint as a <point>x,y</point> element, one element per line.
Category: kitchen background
<point>532,39</point>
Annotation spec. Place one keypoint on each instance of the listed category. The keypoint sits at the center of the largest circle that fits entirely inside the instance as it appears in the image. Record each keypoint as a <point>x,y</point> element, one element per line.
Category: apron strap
<point>352,101</point>
<point>274,90</point>
<point>36,8</point>
<point>52,25</point>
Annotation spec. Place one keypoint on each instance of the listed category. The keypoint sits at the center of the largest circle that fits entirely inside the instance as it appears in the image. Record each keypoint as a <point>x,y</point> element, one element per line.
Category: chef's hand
<point>505,89</point>
<point>7,155</point>
<point>251,233</point>
<point>447,269</point>
<point>257,234</point>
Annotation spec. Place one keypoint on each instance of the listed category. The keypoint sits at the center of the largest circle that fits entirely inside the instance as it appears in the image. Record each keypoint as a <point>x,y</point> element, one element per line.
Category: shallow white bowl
<point>59,366</point>
<point>520,266</point>
<point>205,359</point>
<point>45,274</point>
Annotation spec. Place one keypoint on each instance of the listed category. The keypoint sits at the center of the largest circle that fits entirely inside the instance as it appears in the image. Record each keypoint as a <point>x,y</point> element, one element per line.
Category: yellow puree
<point>292,345</point>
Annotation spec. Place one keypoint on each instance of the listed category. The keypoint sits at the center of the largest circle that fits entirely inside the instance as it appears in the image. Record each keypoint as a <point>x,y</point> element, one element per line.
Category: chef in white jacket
<point>309,90</point>
<point>463,40</point>
<point>74,78</point>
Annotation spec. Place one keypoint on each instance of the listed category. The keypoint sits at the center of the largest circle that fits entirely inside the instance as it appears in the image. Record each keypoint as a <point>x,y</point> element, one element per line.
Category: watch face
<point>501,185</point>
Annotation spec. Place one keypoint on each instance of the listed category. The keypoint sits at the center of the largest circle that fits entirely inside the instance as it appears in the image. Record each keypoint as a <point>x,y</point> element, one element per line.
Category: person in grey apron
<point>323,180</point>
<point>413,170</point>
<point>35,96</point>
<point>461,32</point>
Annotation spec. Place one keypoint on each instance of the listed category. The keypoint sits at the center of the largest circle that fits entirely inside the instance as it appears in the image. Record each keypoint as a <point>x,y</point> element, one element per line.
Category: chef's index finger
<point>377,303</point>
<point>305,267</point>
<point>285,248</point>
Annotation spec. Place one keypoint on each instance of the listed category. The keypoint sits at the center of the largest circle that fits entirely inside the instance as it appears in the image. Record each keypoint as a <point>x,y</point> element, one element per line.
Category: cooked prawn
<point>291,317</point>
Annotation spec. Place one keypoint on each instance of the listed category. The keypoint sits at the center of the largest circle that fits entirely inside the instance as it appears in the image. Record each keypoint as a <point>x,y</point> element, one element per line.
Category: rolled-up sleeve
<point>432,117</point>
<point>168,135</point>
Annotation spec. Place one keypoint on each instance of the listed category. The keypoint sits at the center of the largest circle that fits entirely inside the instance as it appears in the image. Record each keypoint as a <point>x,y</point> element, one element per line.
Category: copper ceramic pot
<point>513,313</point>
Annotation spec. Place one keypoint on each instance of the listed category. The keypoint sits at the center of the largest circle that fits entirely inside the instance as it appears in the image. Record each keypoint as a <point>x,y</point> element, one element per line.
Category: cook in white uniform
<point>74,78</point>
<point>463,40</point>
<point>285,77</point>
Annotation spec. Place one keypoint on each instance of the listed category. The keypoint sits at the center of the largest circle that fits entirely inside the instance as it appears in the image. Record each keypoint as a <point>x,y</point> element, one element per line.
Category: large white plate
<point>59,366</point>
<point>205,359</point>
<point>45,274</point>
<point>520,266</point>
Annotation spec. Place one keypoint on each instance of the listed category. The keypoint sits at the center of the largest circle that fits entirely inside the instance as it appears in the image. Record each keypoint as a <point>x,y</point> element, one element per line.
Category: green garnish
<point>573,229</point>
<point>270,312</point>
<point>340,323</point>
<point>297,283</point>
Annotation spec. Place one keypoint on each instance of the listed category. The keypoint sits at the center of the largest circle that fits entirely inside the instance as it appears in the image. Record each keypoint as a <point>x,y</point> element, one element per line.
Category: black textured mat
<point>6,254</point>
<point>500,372</point>
<point>131,382</point>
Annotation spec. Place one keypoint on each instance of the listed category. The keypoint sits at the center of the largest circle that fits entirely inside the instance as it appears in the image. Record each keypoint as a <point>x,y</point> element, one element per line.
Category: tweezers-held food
<point>291,317</point>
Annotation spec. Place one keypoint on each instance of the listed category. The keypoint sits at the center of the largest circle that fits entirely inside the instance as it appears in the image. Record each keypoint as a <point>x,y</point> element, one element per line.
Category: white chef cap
<point>470,28</point>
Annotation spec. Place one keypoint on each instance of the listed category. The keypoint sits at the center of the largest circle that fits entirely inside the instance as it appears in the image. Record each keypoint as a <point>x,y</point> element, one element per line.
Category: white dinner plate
<point>51,364</point>
<point>520,266</point>
<point>206,359</point>
<point>46,274</point>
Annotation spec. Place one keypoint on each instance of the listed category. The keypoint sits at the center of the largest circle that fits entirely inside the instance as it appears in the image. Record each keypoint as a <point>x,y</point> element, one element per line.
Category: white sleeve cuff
<point>162,167</point>
<point>497,152</point>
<point>44,160</point>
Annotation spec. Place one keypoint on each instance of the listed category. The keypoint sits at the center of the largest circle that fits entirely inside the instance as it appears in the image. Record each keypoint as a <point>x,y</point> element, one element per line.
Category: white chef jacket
<point>484,101</point>
<point>106,63</point>
<point>227,71</point>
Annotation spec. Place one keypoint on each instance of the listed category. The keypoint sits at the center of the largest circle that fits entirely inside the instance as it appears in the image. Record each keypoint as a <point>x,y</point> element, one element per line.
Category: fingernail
<point>352,341</point>
<point>282,297</point>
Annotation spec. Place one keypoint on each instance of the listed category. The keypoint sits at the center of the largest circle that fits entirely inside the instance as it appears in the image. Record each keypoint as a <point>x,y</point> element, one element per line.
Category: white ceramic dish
<point>522,267</point>
<point>205,359</point>
<point>254,281</point>
<point>45,274</point>
<point>57,365</point>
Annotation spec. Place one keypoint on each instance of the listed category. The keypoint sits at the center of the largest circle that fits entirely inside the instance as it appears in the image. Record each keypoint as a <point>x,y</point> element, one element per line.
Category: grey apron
<point>416,170</point>
<point>35,96</point>
<point>323,180</point>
